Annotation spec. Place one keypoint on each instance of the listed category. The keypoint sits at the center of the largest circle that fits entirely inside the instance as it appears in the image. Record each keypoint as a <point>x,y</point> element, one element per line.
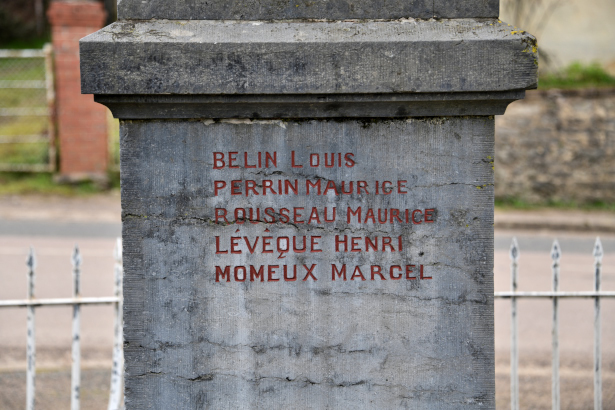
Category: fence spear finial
<point>76,259</point>
<point>556,252</point>
<point>514,250</point>
<point>31,259</point>
<point>598,251</point>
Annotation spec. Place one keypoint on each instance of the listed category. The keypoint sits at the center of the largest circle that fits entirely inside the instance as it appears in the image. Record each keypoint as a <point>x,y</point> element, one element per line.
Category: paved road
<point>54,228</point>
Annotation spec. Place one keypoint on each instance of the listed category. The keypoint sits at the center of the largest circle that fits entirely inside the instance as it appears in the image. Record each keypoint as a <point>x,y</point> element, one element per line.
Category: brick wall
<point>557,145</point>
<point>82,123</point>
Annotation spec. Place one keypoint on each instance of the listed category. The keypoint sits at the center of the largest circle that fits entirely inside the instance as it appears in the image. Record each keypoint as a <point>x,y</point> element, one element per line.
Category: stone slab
<point>194,342</point>
<point>303,9</point>
<point>209,57</point>
<point>308,106</point>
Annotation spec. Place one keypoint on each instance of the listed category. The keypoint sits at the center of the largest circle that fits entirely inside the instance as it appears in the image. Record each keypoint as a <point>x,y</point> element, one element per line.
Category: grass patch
<point>19,125</point>
<point>21,183</point>
<point>520,204</point>
<point>577,75</point>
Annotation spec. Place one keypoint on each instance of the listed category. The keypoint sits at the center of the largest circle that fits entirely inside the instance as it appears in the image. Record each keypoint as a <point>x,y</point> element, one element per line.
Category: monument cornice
<point>308,106</point>
<point>301,9</point>
<point>294,69</point>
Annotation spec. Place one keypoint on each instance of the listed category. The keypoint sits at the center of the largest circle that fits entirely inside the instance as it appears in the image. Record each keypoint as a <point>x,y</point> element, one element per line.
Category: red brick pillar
<point>82,123</point>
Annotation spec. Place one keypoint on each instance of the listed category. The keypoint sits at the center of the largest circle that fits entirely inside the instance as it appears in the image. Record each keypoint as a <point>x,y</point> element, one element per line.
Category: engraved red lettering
<point>370,215</point>
<point>430,215</point>
<point>268,184</point>
<point>221,215</point>
<point>270,272</point>
<point>253,247</point>
<point>314,160</point>
<point>270,212</point>
<point>288,186</point>
<point>240,219</point>
<point>338,242</point>
<point>414,221</point>
<point>357,274</point>
<point>395,277</point>
<point>297,215</point>
<point>395,214</point>
<point>387,187</point>
<point>331,186</point>
<point>235,244</point>
<point>314,243</point>
<point>386,241</point>
<point>251,186</point>
<point>340,273</point>
<point>332,217</point>
<point>273,160</point>
<point>309,273</point>
<point>254,274</point>
<point>220,274</point>
<point>218,251</point>
<point>401,185</point>
<point>245,273</point>
<point>245,161</point>
<point>362,186</point>
<point>294,165</point>
<point>299,250</point>
<point>354,244</point>
<point>267,242</point>
<point>314,216</point>
<point>218,186</point>
<point>309,184</point>
<point>350,213</point>
<point>349,160</point>
<point>284,215</point>
<point>218,160</point>
<point>236,187</point>
<point>377,270</point>
<point>290,278</point>
<point>232,159</point>
<point>382,219</point>
<point>409,271</point>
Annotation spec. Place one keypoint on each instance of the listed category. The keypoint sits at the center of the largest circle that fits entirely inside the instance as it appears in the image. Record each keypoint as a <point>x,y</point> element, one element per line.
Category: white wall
<point>579,30</point>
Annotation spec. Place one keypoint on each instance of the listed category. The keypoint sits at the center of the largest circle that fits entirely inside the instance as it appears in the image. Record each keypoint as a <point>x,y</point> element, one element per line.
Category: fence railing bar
<point>31,336</point>
<point>115,395</point>
<point>34,53</point>
<point>514,346</point>
<point>25,167</point>
<point>551,295</point>
<point>107,300</point>
<point>556,255</point>
<point>598,253</point>
<point>22,139</point>
<point>24,112</point>
<point>76,349</point>
<point>22,84</point>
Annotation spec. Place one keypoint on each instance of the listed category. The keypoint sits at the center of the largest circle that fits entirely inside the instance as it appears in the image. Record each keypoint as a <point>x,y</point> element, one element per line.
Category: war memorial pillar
<point>307,198</point>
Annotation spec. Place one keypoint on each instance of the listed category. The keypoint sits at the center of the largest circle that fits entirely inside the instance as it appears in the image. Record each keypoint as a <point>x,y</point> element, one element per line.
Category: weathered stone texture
<point>192,342</point>
<point>303,9</point>
<point>558,145</point>
<point>240,58</point>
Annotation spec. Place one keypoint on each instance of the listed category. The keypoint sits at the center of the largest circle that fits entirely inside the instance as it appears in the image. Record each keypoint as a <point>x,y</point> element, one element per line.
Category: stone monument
<point>307,198</point>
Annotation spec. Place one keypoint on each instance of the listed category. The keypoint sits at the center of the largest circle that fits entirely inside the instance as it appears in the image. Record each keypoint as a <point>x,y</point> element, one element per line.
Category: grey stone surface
<point>308,106</point>
<point>558,145</point>
<point>465,8</point>
<point>209,57</point>
<point>303,9</point>
<point>192,342</point>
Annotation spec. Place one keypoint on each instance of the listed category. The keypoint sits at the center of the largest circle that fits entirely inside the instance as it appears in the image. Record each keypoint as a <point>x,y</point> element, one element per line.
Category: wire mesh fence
<point>26,107</point>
